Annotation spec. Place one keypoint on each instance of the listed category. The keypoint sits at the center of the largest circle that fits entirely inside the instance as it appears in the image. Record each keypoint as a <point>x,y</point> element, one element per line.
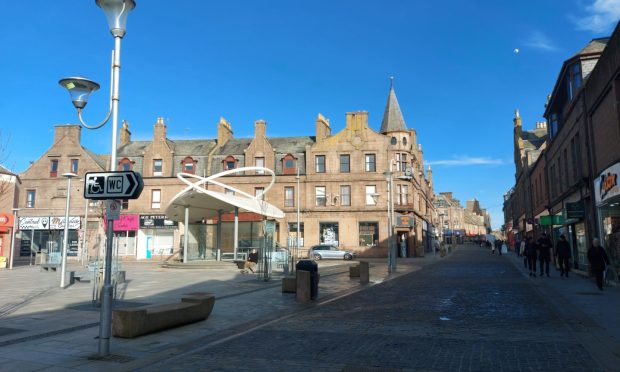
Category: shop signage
<point>34,223</point>
<point>551,220</point>
<point>574,211</point>
<point>58,223</point>
<point>606,185</point>
<point>404,221</point>
<point>6,220</point>
<point>156,221</point>
<point>127,222</point>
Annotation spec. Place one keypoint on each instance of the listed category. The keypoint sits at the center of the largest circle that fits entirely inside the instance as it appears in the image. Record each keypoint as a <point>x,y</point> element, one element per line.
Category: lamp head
<point>116,12</point>
<point>69,175</point>
<point>79,89</point>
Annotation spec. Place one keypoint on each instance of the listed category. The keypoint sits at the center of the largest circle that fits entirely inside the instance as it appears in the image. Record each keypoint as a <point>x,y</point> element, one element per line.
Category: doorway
<point>403,243</point>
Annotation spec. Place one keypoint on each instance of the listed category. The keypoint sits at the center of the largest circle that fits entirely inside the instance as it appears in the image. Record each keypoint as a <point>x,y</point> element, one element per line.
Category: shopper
<point>544,253</point>
<point>598,261</point>
<point>531,250</point>
<point>562,252</point>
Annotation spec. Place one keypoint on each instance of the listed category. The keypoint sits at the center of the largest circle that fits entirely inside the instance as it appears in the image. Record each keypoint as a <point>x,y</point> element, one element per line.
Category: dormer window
<point>125,164</point>
<point>554,127</point>
<point>393,141</point>
<point>573,80</point>
<point>157,167</point>
<point>229,163</point>
<point>289,164</point>
<point>189,165</point>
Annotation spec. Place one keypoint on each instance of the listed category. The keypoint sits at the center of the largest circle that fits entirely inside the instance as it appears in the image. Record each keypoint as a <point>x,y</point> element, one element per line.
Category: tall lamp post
<point>80,88</point>
<point>65,238</point>
<point>15,224</point>
<point>390,203</point>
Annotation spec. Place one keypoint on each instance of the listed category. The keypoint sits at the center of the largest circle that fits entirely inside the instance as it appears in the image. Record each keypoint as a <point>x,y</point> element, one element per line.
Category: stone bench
<point>137,321</point>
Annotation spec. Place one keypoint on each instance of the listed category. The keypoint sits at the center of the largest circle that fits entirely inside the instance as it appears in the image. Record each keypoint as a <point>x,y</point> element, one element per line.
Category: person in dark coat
<point>562,252</point>
<point>598,261</point>
<point>531,250</point>
<point>544,253</point>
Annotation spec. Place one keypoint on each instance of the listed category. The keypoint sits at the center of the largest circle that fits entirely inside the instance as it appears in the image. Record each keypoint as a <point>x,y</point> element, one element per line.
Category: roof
<point>4,170</point>
<point>393,120</point>
<point>101,160</point>
<point>596,46</point>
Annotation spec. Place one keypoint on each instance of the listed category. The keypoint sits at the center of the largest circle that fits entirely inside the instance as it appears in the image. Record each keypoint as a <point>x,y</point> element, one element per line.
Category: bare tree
<point>7,179</point>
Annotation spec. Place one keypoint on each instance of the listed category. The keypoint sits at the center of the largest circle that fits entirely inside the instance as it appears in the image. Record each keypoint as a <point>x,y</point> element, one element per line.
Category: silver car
<point>327,251</point>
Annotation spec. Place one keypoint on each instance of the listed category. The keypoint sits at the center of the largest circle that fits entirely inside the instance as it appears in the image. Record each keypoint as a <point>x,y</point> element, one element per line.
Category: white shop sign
<point>58,223</point>
<point>48,223</point>
<point>606,185</point>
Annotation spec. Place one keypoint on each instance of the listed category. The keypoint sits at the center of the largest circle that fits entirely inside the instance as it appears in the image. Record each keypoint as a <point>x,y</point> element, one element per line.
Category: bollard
<point>71,277</point>
<point>289,284</point>
<point>303,293</point>
<point>354,271</point>
<point>364,272</point>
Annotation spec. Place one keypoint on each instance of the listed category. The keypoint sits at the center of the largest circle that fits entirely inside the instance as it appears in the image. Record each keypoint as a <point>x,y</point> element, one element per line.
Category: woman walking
<point>598,261</point>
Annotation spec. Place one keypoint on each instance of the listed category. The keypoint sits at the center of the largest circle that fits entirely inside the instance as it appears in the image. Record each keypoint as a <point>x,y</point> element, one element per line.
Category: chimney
<point>125,134</point>
<point>517,124</point>
<point>541,125</point>
<point>224,132</point>
<point>357,120</point>
<point>71,131</point>
<point>322,128</point>
<point>260,128</point>
<point>160,130</point>
<point>429,176</point>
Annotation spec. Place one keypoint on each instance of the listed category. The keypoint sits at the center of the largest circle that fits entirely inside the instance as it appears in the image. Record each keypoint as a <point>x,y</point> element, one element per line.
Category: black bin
<point>313,268</point>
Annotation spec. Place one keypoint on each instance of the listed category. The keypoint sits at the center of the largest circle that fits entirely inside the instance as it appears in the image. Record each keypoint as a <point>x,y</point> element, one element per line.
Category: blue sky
<point>457,74</point>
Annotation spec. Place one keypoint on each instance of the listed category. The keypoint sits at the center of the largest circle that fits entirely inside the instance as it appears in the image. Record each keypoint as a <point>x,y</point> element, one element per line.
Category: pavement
<point>469,311</point>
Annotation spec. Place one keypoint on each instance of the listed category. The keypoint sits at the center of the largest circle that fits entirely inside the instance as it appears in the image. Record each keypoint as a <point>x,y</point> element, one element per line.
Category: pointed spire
<point>393,120</point>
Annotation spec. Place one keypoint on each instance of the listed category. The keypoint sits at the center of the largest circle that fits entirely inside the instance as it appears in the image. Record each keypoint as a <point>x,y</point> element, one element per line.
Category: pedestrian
<point>531,250</point>
<point>498,246</point>
<point>562,252</point>
<point>493,246</point>
<point>522,247</point>
<point>251,262</point>
<point>544,253</point>
<point>598,261</point>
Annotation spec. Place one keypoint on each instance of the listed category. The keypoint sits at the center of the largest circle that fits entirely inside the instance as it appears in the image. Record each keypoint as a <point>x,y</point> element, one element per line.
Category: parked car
<point>327,251</point>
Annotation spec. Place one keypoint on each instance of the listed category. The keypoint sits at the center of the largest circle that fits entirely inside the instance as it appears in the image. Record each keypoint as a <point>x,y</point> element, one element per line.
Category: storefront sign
<point>404,221</point>
<point>34,223</point>
<point>574,211</point>
<point>58,223</point>
<point>6,220</point>
<point>156,221</point>
<point>606,185</point>
<point>127,222</point>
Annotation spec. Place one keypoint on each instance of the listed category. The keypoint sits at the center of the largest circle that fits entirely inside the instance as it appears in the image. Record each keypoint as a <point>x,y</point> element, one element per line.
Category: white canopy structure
<point>195,202</point>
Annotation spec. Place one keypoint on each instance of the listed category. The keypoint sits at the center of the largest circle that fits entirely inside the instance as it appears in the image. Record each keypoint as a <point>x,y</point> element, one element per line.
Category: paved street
<point>470,311</point>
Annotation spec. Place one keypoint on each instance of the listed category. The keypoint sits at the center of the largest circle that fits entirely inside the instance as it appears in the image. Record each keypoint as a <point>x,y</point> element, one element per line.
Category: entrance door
<point>403,244</point>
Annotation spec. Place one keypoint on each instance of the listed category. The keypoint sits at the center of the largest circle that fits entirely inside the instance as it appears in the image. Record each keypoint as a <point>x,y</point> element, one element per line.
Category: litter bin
<point>313,268</point>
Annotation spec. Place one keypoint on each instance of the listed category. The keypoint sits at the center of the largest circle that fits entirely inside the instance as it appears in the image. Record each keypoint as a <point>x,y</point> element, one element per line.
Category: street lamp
<point>63,262</point>
<point>15,224</point>
<point>390,204</point>
<point>80,88</point>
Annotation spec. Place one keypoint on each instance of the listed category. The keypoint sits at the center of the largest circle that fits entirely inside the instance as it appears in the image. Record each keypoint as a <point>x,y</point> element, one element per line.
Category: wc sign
<point>113,185</point>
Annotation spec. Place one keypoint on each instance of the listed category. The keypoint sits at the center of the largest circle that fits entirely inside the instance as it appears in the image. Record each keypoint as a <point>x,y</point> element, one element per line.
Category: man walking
<point>598,261</point>
<point>562,252</point>
<point>544,253</point>
<point>522,247</point>
<point>531,250</point>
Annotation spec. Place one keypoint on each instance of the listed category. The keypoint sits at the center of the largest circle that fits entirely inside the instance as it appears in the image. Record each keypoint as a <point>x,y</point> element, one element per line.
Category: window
<point>320,196</point>
<point>189,165</point>
<point>155,199</point>
<point>566,170</point>
<point>292,234</point>
<point>393,141</point>
<point>577,157</point>
<point>157,167</point>
<point>289,196</point>
<point>554,125</point>
<point>345,163</point>
<point>403,194</point>
<point>229,192</point>
<point>319,162</point>
<point>401,162</point>
<point>125,204</point>
<point>259,162</point>
<point>573,79</point>
<point>30,197</point>
<point>229,163</point>
<point>74,165</point>
<point>328,233</point>
<point>371,195</point>
<point>370,163</point>
<point>288,164</point>
<point>345,195</point>
<point>54,168</point>
<point>125,164</point>
<point>369,234</point>
<point>259,191</point>
<point>404,141</point>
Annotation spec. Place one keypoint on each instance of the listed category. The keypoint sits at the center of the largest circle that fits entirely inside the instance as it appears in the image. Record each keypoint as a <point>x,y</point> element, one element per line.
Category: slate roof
<point>101,160</point>
<point>192,147</point>
<point>393,120</point>
<point>290,145</point>
<point>594,46</point>
<point>534,139</point>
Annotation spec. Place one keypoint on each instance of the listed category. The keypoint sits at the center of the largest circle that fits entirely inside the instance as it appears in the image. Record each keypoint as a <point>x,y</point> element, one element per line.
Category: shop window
<point>369,234</point>
<point>125,164</point>
<point>30,198</point>
<point>54,168</point>
<point>289,164</point>
<point>319,162</point>
<point>293,234</point>
<point>229,163</point>
<point>345,163</point>
<point>345,195</point>
<point>320,196</point>
<point>289,196</point>
<point>370,163</point>
<point>328,233</point>
<point>155,199</point>
<point>157,167</point>
<point>189,165</point>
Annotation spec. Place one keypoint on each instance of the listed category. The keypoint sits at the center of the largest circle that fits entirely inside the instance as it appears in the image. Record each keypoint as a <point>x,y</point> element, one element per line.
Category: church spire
<point>393,120</point>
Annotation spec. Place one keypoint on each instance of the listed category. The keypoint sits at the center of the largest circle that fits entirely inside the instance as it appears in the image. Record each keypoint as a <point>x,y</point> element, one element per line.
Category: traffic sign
<point>113,185</point>
<point>112,209</point>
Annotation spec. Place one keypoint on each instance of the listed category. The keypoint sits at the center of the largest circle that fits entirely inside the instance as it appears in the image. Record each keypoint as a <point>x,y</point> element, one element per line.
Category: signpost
<point>113,185</point>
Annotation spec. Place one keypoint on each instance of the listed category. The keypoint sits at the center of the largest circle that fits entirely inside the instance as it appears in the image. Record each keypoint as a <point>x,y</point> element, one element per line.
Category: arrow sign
<point>113,185</point>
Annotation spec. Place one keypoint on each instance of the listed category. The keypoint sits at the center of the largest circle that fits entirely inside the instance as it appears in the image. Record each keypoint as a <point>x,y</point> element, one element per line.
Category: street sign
<point>112,209</point>
<point>113,185</point>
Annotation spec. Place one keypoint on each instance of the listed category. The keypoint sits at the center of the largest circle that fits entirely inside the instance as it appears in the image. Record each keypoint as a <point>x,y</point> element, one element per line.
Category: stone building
<point>451,218</point>
<point>9,194</point>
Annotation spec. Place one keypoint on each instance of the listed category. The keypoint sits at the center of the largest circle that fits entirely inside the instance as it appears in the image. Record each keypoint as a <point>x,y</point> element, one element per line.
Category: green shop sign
<point>551,220</point>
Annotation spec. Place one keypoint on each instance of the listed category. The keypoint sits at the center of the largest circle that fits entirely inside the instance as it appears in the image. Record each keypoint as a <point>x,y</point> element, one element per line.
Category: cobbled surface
<point>470,312</point>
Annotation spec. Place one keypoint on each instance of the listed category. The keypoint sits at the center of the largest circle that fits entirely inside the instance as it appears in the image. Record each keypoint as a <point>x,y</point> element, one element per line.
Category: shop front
<point>6,227</point>
<point>125,239</point>
<point>44,234</point>
<point>404,232</point>
<point>155,236</point>
<point>607,196</point>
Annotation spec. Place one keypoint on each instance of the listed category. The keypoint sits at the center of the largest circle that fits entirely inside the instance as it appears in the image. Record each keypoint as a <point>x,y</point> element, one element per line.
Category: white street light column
<point>79,88</point>
<point>15,224</point>
<point>390,207</point>
<point>65,238</point>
